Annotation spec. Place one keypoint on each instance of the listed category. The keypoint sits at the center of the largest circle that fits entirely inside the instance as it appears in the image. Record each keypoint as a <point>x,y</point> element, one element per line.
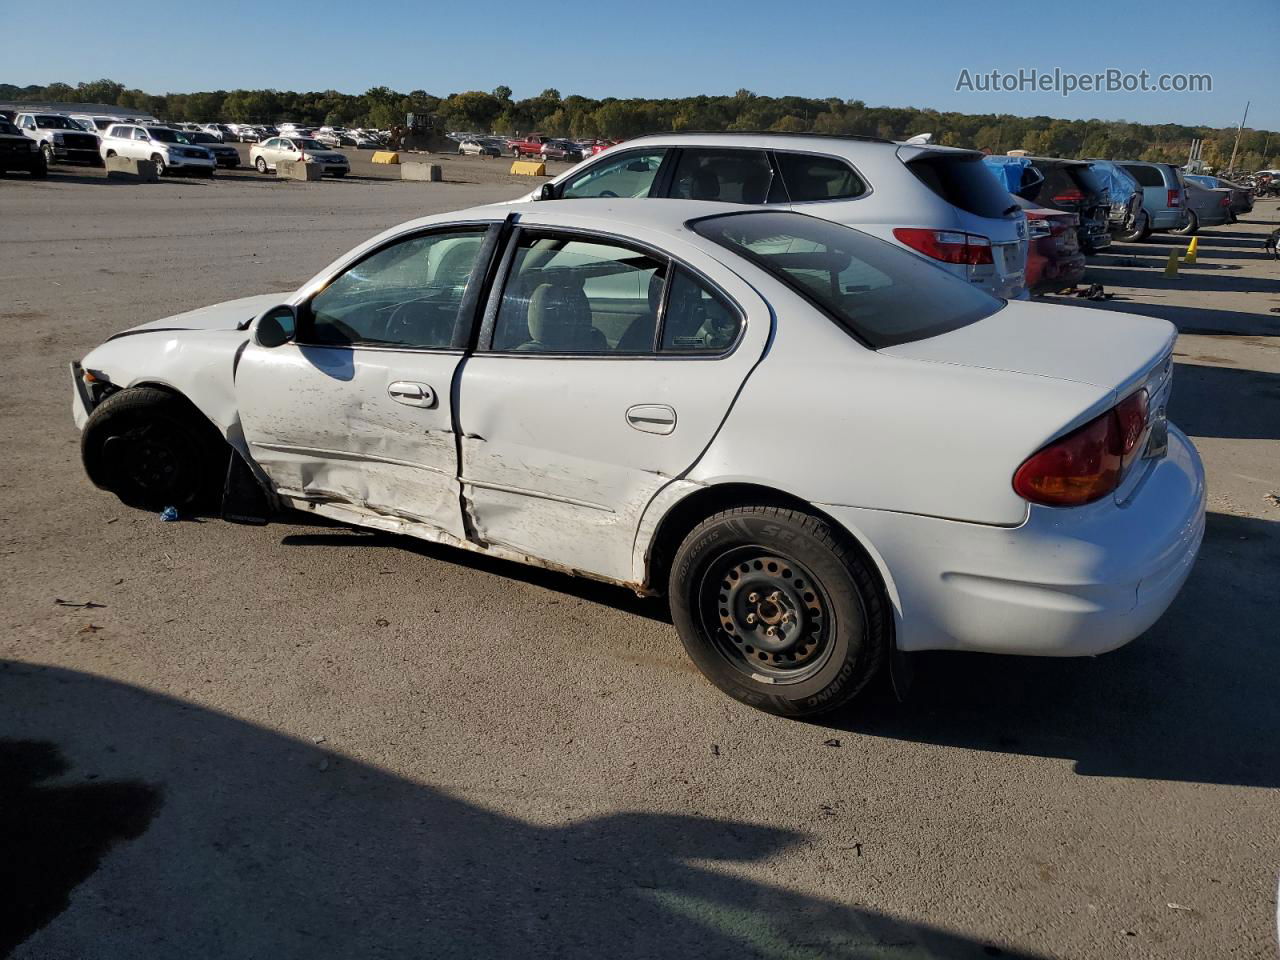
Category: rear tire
<point>153,449</point>
<point>778,609</point>
<point>1141,230</point>
<point>1192,227</point>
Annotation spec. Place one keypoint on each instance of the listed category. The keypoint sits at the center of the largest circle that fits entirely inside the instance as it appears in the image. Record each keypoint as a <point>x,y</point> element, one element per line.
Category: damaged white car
<point>819,446</point>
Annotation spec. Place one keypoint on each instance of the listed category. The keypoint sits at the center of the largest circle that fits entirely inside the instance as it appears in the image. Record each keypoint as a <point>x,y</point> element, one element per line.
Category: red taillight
<point>1226,200</point>
<point>1175,198</point>
<point>1088,462</point>
<point>949,246</point>
<point>1069,196</point>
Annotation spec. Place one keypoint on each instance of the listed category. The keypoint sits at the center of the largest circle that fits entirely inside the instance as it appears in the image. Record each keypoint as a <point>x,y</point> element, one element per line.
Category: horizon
<point>519,95</point>
<point>888,58</point>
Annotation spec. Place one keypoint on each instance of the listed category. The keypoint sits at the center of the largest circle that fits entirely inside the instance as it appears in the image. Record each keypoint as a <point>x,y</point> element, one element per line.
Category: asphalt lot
<point>300,741</point>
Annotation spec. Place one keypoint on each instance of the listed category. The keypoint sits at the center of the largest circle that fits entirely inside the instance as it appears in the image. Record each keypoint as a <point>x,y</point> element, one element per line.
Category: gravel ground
<point>301,741</point>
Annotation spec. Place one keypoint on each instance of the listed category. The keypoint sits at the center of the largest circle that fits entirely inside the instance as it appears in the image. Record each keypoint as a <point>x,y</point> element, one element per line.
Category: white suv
<point>170,150</point>
<point>939,202</point>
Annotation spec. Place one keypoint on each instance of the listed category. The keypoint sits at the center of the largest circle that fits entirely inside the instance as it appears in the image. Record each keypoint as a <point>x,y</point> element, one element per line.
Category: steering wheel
<point>407,321</point>
<point>606,193</point>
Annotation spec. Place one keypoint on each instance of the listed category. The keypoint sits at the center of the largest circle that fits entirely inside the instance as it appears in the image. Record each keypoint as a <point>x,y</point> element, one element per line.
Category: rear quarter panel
<point>829,421</point>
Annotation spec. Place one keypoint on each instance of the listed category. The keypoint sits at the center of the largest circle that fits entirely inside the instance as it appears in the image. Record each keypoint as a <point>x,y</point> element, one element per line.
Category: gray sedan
<point>1206,207</point>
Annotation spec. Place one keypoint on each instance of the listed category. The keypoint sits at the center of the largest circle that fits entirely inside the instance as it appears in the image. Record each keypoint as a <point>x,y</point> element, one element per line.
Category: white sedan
<point>265,155</point>
<point>820,447</point>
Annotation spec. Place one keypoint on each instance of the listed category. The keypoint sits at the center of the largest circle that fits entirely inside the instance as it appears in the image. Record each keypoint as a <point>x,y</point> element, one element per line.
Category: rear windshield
<point>882,295</point>
<point>1062,181</point>
<point>964,182</point>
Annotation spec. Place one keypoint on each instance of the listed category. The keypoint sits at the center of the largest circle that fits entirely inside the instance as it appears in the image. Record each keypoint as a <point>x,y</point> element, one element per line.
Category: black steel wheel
<point>778,609</point>
<point>768,614</point>
<point>153,449</point>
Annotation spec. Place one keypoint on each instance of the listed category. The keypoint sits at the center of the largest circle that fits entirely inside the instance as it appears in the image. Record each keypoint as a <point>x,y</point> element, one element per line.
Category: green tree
<point>472,110</point>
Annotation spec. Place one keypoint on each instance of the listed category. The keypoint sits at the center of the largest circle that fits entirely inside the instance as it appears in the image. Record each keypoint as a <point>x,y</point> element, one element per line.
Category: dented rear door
<point>597,384</point>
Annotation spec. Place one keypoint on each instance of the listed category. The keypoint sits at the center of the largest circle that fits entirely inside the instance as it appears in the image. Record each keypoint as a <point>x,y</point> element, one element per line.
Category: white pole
<point>1232,165</point>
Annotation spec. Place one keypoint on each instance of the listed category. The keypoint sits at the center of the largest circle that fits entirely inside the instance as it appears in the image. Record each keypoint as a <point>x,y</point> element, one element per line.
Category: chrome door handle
<point>652,418</point>
<point>412,394</point>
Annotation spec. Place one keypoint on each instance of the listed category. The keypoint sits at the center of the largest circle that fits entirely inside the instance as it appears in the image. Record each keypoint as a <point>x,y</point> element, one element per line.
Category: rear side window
<point>1146,176</point>
<point>571,296</point>
<point>697,320</point>
<point>818,178</point>
<point>881,294</point>
<point>964,182</point>
<point>730,176</point>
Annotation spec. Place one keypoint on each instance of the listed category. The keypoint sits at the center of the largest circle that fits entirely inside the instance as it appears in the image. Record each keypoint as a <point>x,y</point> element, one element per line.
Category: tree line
<point>576,116</point>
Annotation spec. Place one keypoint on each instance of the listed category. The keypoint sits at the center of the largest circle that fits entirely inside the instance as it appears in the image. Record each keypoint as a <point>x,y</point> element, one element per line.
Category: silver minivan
<point>939,202</point>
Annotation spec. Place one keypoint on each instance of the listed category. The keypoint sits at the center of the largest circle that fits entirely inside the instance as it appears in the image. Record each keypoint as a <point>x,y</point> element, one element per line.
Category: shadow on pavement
<point>270,847</point>
<point>1190,279</point>
<point>1191,320</point>
<point>1226,401</point>
<point>593,591</point>
<point>1192,700</point>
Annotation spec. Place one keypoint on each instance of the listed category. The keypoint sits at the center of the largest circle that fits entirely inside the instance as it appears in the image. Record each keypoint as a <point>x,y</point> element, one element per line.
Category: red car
<point>1054,259</point>
<point>530,146</point>
<point>592,147</point>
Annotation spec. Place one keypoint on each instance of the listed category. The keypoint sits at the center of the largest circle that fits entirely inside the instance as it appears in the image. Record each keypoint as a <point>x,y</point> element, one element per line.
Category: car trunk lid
<point>1114,351</point>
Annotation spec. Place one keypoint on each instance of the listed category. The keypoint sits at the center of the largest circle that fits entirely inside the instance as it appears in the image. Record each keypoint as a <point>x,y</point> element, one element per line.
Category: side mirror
<point>276,327</point>
<point>547,191</point>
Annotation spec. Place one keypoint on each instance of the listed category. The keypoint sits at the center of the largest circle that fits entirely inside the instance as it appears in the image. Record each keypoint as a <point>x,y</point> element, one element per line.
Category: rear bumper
<point>1168,219</point>
<point>1059,271</point>
<point>1068,582</point>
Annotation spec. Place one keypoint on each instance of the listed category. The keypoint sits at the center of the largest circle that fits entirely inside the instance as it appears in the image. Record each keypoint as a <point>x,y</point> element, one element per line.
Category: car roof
<point>816,142</point>
<point>615,214</point>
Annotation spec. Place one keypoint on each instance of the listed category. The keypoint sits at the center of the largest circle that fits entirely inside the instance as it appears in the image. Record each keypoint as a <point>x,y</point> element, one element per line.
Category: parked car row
<point>533,145</point>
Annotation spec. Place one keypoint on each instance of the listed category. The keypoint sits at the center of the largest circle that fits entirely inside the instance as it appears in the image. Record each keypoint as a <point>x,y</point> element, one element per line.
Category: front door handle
<point>412,394</point>
<point>652,418</point>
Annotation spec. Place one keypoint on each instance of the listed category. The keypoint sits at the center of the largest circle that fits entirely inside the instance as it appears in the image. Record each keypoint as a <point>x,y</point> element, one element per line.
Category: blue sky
<point>895,54</point>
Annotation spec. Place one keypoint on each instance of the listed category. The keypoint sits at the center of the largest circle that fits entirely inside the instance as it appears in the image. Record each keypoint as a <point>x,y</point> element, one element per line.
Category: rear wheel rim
<point>767,616</point>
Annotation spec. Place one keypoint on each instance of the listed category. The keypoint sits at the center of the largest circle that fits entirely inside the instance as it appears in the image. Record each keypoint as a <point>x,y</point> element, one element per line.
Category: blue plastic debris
<point>169,513</point>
